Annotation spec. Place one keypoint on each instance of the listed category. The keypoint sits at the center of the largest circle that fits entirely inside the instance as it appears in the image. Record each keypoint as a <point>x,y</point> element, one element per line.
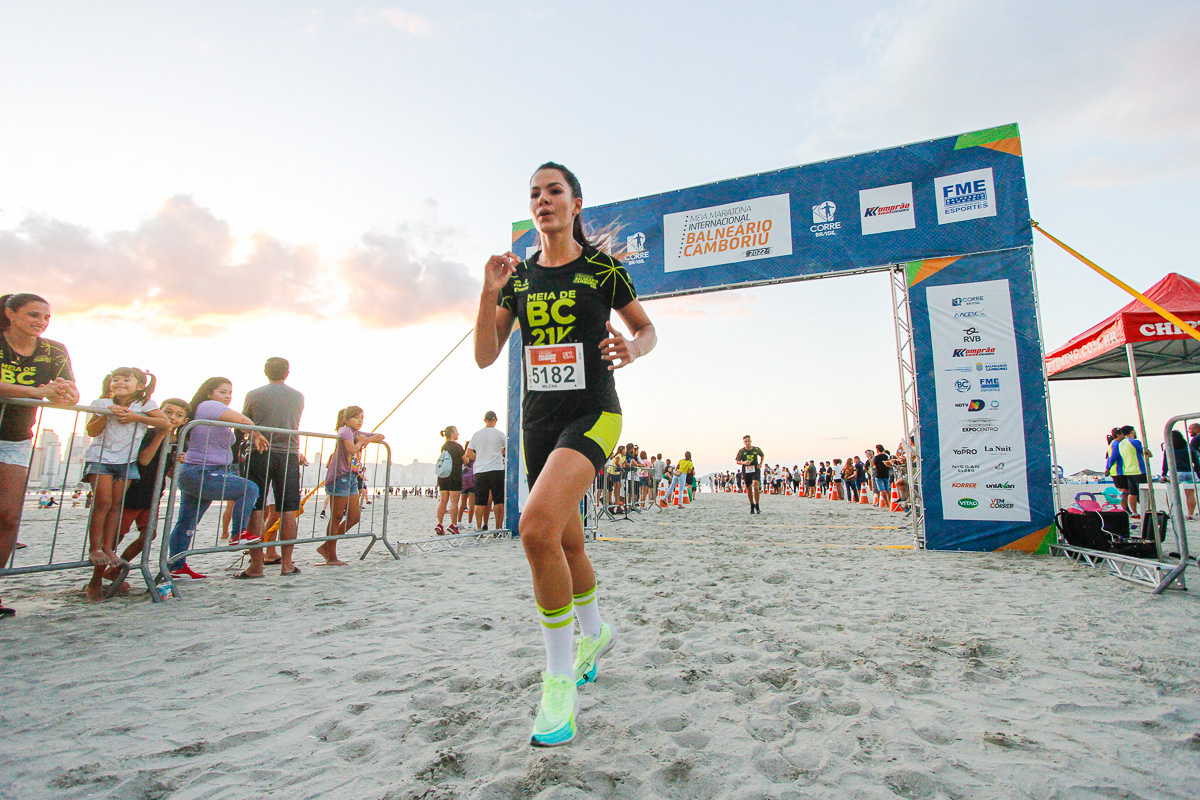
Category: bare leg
<point>552,532</point>
<point>12,500</point>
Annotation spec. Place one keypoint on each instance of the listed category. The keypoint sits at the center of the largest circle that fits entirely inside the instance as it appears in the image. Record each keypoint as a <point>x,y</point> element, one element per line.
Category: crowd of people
<point>875,472</point>
<point>134,438</point>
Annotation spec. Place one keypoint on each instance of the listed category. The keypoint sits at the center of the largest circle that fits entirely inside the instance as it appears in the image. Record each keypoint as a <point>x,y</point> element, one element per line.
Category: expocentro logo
<point>966,195</point>
<point>887,208</point>
<point>968,502</point>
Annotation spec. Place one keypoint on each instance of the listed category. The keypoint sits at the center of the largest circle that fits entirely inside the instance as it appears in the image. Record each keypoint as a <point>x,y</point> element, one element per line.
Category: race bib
<point>750,468</point>
<point>554,368</point>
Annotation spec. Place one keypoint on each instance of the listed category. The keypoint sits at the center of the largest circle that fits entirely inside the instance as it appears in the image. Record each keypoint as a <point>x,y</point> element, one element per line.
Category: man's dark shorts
<point>1133,482</point>
<point>752,477</point>
<point>1119,482</point>
<point>282,472</point>
<point>489,484</point>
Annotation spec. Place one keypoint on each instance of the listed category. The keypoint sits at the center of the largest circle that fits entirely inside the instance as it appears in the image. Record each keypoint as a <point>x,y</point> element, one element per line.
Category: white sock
<point>558,632</point>
<point>587,611</point>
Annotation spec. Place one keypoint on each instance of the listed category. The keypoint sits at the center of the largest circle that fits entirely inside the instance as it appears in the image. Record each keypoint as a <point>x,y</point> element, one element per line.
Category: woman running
<point>562,297</point>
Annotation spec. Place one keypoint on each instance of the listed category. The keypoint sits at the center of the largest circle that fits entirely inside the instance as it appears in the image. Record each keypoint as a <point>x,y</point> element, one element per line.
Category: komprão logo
<point>968,502</point>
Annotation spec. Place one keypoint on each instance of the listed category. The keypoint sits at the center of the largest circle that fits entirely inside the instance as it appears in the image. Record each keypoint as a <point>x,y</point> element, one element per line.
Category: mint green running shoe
<point>555,722</point>
<point>588,652</point>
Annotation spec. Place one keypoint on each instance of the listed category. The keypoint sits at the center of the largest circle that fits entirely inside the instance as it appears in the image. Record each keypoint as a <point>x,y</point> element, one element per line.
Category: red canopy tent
<point>1136,340</point>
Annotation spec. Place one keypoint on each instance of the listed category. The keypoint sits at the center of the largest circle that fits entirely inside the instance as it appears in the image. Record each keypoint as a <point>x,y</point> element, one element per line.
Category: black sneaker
<point>5,611</point>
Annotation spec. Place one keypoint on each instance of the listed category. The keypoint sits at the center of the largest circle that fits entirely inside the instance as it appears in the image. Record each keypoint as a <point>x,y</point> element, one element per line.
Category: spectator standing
<point>488,448</point>
<point>275,405</point>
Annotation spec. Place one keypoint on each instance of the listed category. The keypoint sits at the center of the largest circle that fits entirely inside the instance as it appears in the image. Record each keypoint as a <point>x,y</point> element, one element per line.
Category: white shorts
<point>16,453</point>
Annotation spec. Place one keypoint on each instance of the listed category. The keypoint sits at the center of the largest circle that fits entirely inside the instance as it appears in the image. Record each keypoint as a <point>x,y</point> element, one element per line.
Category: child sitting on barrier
<point>111,460</point>
<point>140,496</point>
<point>341,482</point>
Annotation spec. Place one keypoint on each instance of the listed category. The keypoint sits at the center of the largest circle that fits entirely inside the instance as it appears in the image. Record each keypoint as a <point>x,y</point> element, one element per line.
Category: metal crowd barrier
<point>364,529</point>
<point>44,553</point>
<point>1164,572</point>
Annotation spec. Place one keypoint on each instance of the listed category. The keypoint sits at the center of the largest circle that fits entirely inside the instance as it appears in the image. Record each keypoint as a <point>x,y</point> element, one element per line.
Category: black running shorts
<point>282,472</point>
<point>489,485</point>
<point>594,435</point>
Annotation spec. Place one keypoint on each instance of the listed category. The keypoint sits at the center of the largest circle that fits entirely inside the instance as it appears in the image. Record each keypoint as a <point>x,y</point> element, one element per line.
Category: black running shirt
<point>49,361</point>
<point>562,312</point>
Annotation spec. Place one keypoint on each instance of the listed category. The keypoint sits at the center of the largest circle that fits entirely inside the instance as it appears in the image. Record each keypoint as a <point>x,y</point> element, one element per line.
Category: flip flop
<point>243,576</point>
<point>5,611</point>
<point>295,571</point>
<point>272,561</point>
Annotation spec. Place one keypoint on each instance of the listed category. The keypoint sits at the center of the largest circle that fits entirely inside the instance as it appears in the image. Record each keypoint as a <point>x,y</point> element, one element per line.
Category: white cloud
<point>398,18</point>
<point>1073,74</point>
<point>184,265</point>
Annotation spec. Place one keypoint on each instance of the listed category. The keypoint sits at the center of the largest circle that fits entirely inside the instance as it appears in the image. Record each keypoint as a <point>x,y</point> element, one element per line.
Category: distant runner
<point>750,459</point>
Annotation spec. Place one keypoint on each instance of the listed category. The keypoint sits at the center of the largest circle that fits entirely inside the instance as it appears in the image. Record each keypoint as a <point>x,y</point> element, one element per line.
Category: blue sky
<point>198,187</point>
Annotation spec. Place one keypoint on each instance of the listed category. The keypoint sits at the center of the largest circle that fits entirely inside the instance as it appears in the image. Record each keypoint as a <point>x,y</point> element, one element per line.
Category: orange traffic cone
<point>864,497</point>
<point>661,497</point>
<point>896,501</point>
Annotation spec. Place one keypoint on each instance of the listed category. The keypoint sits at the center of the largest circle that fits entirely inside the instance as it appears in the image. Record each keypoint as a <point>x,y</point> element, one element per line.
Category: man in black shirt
<point>883,472</point>
<point>750,459</point>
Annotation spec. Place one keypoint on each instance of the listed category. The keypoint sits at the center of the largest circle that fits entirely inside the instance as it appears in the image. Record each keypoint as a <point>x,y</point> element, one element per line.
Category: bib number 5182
<point>554,368</point>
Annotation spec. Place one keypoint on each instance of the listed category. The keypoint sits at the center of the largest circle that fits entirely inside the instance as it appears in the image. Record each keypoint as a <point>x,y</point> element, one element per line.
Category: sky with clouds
<point>198,187</point>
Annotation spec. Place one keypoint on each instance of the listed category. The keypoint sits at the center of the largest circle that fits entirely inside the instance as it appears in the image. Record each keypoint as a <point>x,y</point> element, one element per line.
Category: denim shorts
<point>344,486</point>
<point>16,453</point>
<point>122,472</point>
<point>1187,477</point>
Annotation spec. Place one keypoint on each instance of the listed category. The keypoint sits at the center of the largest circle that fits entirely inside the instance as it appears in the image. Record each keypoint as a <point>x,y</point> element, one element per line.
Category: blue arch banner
<point>960,194</point>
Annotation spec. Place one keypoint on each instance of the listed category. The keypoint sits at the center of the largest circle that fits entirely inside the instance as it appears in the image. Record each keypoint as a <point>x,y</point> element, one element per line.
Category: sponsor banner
<point>847,214</point>
<point>967,195</point>
<point>887,208</point>
<point>982,427</point>
<point>760,227</point>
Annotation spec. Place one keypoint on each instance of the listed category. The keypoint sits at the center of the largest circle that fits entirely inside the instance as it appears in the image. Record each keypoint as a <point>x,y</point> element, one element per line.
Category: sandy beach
<point>803,653</point>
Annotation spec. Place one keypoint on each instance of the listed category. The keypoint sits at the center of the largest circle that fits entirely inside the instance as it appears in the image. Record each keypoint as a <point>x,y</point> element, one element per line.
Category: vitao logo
<point>964,196</point>
<point>886,208</point>
<point>823,219</point>
<point>968,502</point>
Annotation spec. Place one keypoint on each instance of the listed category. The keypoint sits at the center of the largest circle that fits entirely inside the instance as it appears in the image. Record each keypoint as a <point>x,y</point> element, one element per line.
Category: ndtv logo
<point>968,502</point>
<point>972,352</point>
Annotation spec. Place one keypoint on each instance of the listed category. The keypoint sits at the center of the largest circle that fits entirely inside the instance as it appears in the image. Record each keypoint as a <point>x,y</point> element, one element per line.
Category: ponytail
<point>345,414</point>
<point>142,376</point>
<point>445,433</point>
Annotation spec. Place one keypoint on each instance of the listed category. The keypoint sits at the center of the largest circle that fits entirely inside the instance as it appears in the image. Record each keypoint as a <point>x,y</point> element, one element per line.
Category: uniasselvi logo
<point>968,502</point>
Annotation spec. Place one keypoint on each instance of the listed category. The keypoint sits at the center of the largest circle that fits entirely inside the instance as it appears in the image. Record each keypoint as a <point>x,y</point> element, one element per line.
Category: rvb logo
<point>823,219</point>
<point>970,335</point>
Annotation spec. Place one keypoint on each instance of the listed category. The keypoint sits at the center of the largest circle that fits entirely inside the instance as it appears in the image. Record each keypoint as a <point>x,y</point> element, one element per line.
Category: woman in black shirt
<point>562,297</point>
